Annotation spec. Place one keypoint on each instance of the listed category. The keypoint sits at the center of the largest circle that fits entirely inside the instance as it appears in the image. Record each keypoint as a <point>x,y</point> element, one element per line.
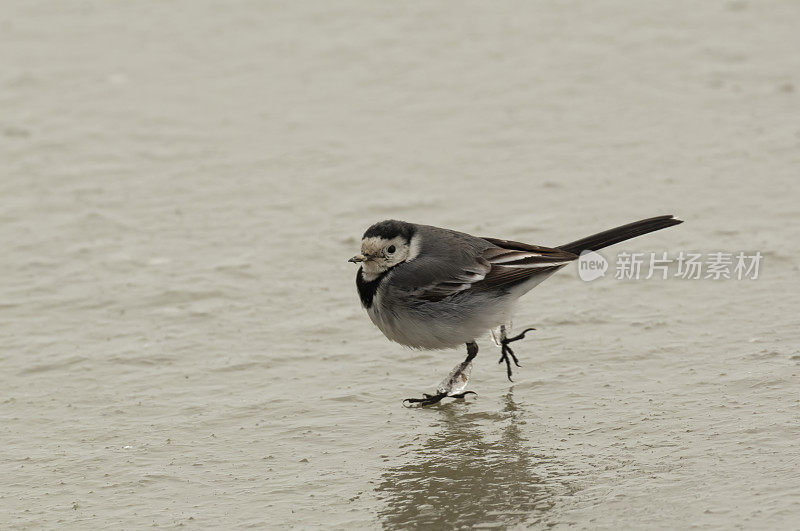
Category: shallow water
<point>182,183</point>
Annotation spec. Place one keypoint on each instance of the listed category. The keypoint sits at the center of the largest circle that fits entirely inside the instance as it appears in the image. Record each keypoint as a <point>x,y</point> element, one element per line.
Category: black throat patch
<point>367,290</point>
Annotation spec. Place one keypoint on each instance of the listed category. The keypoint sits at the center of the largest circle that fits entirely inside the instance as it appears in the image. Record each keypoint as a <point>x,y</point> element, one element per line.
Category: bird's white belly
<point>440,325</point>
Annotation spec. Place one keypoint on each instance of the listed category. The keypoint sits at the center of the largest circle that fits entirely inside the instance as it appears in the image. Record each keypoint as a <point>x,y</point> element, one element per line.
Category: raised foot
<point>506,351</point>
<point>428,400</point>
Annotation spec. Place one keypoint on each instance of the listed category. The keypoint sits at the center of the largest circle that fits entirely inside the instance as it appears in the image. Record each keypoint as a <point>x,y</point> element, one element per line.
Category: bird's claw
<point>506,351</point>
<point>518,336</point>
<point>462,395</point>
<point>428,400</point>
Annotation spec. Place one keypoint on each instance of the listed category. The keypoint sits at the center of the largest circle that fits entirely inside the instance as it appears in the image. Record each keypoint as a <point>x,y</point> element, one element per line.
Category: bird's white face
<point>379,254</point>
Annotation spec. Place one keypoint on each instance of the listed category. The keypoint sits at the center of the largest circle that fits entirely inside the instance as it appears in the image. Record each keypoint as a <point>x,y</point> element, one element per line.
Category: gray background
<point>182,182</point>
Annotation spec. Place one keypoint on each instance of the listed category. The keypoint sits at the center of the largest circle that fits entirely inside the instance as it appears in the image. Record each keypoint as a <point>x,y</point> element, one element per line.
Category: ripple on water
<point>464,477</point>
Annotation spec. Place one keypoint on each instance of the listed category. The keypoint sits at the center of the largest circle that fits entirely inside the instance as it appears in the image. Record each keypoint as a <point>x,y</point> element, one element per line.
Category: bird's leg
<point>472,351</point>
<point>455,381</point>
<point>506,350</point>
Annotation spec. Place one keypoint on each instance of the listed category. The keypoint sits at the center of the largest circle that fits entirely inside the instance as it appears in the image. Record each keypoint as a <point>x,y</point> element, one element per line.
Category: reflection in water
<point>462,476</point>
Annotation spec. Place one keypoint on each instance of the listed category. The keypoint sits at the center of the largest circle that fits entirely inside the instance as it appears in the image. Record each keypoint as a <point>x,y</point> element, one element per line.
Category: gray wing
<point>485,264</point>
<point>514,262</point>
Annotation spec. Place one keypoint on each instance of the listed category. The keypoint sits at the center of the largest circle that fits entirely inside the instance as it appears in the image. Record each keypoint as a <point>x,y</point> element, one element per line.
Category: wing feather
<point>502,265</point>
<point>515,262</point>
<point>459,281</point>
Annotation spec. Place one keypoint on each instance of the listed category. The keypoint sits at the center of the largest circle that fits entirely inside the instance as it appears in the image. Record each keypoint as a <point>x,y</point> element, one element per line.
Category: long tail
<point>620,234</point>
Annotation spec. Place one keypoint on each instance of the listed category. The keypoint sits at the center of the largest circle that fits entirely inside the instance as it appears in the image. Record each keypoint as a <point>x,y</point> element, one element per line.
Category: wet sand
<point>181,184</point>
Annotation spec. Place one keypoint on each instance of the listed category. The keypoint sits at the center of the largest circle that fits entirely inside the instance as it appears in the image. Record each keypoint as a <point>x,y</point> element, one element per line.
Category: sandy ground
<point>181,184</point>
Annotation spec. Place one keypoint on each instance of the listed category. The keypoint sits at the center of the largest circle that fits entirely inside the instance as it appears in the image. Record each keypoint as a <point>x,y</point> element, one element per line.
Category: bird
<point>433,288</point>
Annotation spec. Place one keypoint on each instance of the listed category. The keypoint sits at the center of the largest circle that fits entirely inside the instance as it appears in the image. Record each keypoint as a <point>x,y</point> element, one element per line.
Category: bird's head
<point>383,246</point>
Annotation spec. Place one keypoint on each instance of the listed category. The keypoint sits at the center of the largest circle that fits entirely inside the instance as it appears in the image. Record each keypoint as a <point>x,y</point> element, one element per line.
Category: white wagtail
<point>432,288</point>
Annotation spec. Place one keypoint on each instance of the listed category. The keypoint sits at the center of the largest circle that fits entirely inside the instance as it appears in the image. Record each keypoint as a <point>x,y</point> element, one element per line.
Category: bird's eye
<point>391,249</point>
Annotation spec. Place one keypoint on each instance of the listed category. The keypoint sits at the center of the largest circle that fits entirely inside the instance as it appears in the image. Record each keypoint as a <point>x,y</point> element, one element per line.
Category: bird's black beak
<point>358,258</point>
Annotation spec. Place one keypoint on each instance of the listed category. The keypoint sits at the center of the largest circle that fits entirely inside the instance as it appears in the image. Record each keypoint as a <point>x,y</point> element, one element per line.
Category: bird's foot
<point>462,395</point>
<point>453,385</point>
<point>506,351</point>
<point>428,400</point>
